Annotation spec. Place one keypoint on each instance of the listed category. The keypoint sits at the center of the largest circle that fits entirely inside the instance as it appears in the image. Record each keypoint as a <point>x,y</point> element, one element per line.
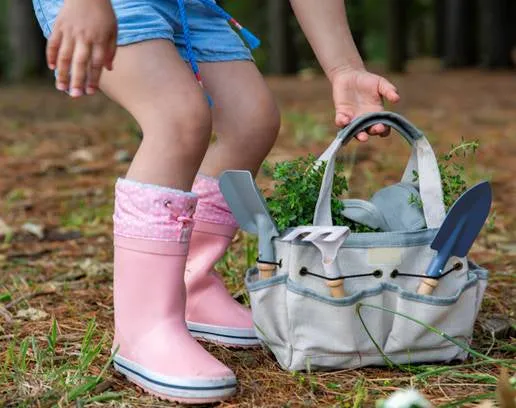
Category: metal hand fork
<point>327,240</point>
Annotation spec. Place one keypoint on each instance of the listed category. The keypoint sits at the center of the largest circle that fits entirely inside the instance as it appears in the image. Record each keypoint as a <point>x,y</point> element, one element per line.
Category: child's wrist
<point>348,67</point>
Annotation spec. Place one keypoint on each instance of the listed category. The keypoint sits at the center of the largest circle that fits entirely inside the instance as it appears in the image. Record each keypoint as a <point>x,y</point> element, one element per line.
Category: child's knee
<point>186,124</point>
<point>260,126</point>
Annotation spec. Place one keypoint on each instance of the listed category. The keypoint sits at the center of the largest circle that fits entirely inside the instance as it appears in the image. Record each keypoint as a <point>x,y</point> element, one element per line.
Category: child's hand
<point>355,92</point>
<point>82,43</point>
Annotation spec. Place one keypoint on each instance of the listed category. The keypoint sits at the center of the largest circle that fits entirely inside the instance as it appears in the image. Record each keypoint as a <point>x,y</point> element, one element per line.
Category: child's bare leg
<point>154,84</point>
<point>246,121</point>
<point>245,117</point>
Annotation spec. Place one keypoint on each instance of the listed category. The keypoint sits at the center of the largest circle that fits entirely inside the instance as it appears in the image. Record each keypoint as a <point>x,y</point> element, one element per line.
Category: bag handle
<point>422,158</point>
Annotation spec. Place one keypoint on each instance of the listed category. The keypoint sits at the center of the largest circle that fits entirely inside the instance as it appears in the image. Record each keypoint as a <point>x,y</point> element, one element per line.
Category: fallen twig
<point>29,296</point>
<point>6,314</point>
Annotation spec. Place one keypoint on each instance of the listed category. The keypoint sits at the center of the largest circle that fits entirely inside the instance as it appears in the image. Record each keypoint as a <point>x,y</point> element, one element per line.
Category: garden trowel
<point>250,210</point>
<point>458,231</point>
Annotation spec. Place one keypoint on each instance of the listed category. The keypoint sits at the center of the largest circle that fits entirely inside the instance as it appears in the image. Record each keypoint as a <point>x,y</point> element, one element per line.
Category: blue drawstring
<point>251,39</point>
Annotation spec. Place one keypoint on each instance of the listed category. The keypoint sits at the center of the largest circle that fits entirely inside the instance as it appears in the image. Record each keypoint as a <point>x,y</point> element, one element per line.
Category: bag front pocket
<point>410,341</point>
<point>326,333</point>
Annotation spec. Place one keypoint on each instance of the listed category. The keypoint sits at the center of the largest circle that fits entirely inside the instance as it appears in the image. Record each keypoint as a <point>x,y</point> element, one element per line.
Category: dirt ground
<point>58,162</point>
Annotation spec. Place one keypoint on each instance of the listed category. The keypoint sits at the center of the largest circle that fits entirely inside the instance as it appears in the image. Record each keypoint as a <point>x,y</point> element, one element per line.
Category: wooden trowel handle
<point>427,286</point>
<point>336,288</point>
<point>266,270</point>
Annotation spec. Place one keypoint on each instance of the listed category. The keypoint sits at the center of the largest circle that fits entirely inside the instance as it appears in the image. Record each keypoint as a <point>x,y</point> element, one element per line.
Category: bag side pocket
<point>455,315</point>
<point>270,317</point>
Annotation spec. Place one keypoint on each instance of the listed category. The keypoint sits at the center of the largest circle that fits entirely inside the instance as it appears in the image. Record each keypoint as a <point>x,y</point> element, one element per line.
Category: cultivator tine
<point>328,241</point>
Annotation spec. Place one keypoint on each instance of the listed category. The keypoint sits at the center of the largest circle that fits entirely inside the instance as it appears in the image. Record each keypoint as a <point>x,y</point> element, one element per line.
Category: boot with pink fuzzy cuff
<point>211,312</point>
<point>154,349</point>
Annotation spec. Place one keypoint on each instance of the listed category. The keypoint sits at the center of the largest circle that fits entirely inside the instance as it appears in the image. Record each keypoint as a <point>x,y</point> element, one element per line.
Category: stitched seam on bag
<point>292,286</point>
<point>263,284</point>
<point>481,273</point>
<point>463,338</point>
<point>364,240</point>
<point>404,294</point>
<point>374,354</point>
<point>290,332</point>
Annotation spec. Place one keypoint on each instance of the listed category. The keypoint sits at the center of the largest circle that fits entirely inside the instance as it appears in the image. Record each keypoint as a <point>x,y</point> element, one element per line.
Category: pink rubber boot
<point>152,229</point>
<point>211,312</point>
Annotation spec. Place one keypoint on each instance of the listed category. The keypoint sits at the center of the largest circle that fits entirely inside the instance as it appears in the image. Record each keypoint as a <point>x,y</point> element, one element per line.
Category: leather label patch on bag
<point>384,256</point>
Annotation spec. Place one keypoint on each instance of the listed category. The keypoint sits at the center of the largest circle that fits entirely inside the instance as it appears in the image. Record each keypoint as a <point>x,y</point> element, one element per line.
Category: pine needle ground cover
<point>59,160</point>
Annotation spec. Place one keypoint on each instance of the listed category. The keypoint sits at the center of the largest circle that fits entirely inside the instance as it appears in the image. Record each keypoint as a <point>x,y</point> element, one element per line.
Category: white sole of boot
<point>229,336</point>
<point>184,390</point>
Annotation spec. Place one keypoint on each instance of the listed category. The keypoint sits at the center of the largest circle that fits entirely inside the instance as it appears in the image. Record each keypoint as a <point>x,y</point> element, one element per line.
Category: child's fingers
<point>64,61</point>
<point>343,115</point>
<point>388,90</point>
<point>111,52</point>
<point>97,64</point>
<point>342,119</point>
<point>386,133</point>
<point>52,50</point>
<point>363,137</point>
<point>80,62</point>
<point>377,129</point>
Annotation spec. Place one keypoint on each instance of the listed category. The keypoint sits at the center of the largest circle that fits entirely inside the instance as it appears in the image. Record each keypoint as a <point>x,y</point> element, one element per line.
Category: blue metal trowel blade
<point>461,226</point>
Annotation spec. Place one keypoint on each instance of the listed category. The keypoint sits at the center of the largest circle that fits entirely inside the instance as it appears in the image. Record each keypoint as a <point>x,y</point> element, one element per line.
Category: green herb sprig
<point>296,189</point>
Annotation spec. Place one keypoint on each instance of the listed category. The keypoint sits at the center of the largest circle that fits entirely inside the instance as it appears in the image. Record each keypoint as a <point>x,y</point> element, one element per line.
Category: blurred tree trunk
<point>282,58</point>
<point>26,42</point>
<point>356,19</point>
<point>495,28</point>
<point>439,27</point>
<point>460,34</point>
<point>397,34</point>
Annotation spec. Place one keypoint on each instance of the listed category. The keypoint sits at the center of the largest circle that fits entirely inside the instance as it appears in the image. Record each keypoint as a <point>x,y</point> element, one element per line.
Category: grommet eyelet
<point>394,273</point>
<point>378,273</point>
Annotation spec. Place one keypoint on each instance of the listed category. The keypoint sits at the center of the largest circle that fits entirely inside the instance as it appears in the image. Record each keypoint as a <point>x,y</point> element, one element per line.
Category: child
<point>171,223</point>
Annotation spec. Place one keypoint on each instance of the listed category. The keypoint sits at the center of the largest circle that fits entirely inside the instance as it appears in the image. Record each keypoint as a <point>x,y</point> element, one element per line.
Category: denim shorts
<point>212,38</point>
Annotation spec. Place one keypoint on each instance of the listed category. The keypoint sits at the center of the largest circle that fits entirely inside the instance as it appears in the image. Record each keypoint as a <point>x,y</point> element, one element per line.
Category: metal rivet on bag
<point>378,273</point>
<point>303,271</point>
<point>394,273</point>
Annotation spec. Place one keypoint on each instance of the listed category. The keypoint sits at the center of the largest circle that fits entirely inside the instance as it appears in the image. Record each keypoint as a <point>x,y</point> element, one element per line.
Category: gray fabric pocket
<point>307,330</point>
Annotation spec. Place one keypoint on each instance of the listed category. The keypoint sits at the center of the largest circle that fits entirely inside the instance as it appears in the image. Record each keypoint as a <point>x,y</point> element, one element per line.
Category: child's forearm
<point>325,25</point>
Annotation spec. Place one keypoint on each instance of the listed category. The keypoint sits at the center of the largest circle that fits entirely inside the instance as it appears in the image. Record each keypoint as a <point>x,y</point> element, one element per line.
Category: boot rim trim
<point>214,228</point>
<point>171,190</point>
<point>151,246</point>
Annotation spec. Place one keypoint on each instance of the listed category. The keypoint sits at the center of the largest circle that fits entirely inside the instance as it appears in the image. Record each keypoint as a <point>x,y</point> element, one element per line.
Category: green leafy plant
<point>296,189</point>
<point>452,172</point>
<point>297,182</point>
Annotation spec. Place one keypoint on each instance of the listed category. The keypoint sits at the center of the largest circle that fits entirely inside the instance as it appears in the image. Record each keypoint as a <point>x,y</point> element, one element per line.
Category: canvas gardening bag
<point>307,328</point>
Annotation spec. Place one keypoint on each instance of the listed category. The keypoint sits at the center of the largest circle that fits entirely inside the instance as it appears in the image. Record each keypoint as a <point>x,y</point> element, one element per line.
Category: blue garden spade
<point>458,231</point>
